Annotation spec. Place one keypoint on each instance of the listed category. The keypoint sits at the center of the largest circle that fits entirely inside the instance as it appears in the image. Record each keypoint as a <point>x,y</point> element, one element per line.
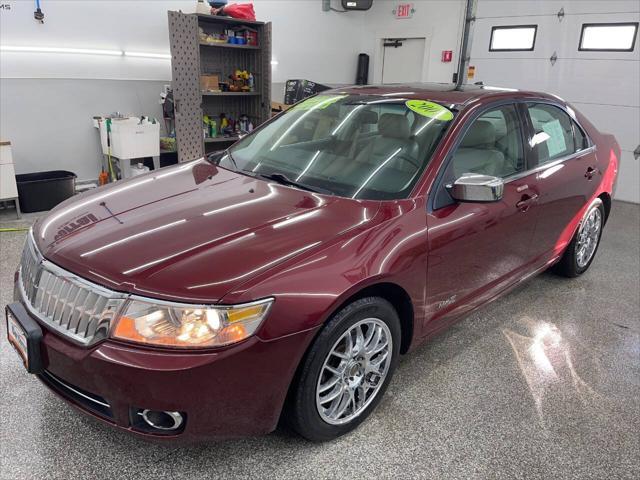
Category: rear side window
<point>553,133</point>
<point>582,141</point>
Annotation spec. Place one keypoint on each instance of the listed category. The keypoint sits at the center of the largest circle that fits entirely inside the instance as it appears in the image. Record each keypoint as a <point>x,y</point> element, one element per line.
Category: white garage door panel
<point>597,81</point>
<point>605,86</point>
<point>586,81</point>
<point>482,38</point>
<point>623,122</point>
<point>561,38</point>
<point>525,74</point>
<point>567,41</point>
<point>628,179</point>
<point>600,7</point>
<point>502,8</point>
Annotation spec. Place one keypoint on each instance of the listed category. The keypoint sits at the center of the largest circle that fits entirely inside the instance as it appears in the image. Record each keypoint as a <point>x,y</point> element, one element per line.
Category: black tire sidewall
<point>306,419</point>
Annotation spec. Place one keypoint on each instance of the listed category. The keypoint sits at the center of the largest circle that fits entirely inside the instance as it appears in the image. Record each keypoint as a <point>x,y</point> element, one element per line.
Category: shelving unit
<point>230,94</point>
<point>229,45</point>
<point>190,58</point>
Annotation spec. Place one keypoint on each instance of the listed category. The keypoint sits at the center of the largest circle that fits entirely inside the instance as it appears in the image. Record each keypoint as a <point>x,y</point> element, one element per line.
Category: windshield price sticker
<point>430,110</point>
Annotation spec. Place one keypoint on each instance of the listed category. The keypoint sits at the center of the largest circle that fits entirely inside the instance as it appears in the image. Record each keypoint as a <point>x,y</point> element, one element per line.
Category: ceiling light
<point>164,56</point>
<point>85,51</point>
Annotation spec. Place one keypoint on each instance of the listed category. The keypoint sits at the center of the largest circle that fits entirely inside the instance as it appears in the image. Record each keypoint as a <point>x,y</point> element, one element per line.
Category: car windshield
<point>356,146</point>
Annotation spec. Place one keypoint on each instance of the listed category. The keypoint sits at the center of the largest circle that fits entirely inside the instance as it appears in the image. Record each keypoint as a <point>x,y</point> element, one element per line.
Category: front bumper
<point>231,392</point>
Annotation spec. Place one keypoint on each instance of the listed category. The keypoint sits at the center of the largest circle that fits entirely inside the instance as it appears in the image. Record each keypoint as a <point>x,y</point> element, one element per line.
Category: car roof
<point>441,92</point>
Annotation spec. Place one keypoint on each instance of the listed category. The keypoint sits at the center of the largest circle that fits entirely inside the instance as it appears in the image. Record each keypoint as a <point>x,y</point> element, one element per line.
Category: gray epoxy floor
<point>543,383</point>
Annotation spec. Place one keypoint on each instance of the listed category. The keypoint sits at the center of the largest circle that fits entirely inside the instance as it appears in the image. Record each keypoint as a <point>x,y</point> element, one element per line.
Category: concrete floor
<point>543,383</point>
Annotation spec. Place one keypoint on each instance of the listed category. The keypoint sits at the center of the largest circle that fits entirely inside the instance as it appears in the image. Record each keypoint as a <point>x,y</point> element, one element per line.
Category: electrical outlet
<point>326,5</point>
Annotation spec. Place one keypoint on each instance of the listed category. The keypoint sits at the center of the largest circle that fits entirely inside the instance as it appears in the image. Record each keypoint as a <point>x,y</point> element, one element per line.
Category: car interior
<point>378,153</point>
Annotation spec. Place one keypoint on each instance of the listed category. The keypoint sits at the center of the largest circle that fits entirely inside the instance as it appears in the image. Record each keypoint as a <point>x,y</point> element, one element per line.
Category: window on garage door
<point>608,37</point>
<point>554,133</point>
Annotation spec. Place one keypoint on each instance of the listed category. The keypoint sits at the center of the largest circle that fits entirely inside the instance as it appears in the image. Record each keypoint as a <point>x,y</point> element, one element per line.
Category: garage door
<point>604,85</point>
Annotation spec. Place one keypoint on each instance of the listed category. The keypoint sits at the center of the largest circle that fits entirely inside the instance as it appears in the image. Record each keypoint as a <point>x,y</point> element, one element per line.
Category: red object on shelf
<point>447,56</point>
<point>244,11</point>
<point>252,37</point>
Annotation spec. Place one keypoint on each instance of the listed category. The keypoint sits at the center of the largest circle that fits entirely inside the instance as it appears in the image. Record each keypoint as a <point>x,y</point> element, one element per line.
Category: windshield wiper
<point>282,179</point>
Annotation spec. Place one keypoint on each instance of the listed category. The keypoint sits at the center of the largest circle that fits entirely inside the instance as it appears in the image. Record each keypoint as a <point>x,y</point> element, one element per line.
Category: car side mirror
<point>473,187</point>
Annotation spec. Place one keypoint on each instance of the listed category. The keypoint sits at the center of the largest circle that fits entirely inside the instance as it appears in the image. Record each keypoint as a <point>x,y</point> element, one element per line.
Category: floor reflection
<point>545,360</point>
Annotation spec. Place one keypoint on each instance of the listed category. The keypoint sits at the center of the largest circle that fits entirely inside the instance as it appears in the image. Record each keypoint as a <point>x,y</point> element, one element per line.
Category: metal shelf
<point>191,58</point>
<point>230,94</point>
<point>226,20</point>
<point>230,45</point>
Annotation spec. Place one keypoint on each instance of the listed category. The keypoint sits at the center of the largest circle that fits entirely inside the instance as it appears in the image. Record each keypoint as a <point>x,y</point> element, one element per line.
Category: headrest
<point>481,133</point>
<point>394,125</point>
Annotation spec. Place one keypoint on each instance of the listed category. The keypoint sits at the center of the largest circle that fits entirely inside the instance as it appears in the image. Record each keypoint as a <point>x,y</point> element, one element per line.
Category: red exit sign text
<point>404,10</point>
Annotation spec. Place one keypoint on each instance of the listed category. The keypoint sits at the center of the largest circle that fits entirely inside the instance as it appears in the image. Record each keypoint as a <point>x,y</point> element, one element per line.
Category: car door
<point>474,249</point>
<point>566,174</point>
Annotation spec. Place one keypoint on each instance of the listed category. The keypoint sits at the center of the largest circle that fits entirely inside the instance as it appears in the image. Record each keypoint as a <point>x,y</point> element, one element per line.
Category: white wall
<point>602,85</point>
<point>440,22</point>
<point>38,91</point>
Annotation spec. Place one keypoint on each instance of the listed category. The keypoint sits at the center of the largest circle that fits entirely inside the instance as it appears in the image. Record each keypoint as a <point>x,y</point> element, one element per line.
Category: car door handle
<point>526,201</point>
<point>590,173</point>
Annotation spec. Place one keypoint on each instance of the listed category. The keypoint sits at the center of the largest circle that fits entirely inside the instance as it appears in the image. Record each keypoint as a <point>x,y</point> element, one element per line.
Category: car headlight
<point>181,325</point>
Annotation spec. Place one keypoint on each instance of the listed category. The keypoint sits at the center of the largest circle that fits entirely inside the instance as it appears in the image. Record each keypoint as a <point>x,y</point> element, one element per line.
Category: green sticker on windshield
<point>318,102</point>
<point>430,109</point>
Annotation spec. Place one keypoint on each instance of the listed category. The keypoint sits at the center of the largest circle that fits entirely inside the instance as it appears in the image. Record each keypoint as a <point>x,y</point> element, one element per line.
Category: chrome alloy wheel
<point>354,371</point>
<point>588,237</point>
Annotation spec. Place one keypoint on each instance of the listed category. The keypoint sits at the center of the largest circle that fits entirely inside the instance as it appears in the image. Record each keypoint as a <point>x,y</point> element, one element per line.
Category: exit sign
<point>404,10</point>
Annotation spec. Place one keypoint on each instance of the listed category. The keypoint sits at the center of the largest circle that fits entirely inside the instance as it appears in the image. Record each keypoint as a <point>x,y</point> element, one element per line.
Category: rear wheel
<point>346,371</point>
<point>583,247</point>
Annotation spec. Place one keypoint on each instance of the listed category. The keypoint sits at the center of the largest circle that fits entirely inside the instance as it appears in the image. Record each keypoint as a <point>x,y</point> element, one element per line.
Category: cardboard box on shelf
<point>209,83</point>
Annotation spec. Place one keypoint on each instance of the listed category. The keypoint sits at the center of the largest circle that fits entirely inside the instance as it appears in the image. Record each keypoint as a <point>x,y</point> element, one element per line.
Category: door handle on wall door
<point>526,201</point>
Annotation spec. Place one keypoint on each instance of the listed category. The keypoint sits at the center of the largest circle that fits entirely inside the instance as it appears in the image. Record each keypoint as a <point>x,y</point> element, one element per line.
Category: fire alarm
<point>447,56</point>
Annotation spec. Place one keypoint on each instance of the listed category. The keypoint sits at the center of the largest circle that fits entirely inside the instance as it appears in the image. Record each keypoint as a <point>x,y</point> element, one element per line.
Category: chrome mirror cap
<point>473,187</point>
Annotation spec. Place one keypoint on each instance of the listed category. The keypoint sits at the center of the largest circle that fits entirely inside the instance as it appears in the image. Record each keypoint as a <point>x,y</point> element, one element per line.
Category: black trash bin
<point>44,190</point>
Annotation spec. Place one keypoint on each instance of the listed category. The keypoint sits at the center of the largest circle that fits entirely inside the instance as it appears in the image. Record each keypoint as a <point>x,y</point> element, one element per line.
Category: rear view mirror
<point>473,187</point>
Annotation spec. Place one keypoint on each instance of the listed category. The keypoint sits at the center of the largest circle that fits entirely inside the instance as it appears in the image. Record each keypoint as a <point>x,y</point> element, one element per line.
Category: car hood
<point>190,232</point>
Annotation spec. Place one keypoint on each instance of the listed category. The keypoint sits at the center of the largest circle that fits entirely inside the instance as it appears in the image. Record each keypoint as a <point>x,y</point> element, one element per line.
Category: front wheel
<point>346,371</point>
<point>583,247</point>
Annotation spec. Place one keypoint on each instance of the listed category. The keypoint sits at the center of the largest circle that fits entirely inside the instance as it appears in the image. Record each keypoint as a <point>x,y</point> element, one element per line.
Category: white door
<point>403,60</point>
<point>601,84</point>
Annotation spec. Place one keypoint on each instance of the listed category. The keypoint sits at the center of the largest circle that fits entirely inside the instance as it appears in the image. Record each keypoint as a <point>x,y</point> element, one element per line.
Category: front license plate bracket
<point>27,346</point>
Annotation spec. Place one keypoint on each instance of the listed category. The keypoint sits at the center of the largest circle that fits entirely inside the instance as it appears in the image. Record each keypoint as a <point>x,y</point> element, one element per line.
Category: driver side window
<point>492,145</point>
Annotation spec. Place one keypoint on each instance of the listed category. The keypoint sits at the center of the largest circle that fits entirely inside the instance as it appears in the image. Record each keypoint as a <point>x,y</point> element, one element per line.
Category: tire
<point>311,416</point>
<point>572,264</point>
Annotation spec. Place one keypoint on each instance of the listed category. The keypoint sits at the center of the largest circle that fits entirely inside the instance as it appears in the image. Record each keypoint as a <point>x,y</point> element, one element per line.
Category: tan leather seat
<point>477,152</point>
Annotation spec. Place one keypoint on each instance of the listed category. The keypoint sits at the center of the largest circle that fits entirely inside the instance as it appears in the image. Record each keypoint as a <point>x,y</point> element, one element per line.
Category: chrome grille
<point>78,309</point>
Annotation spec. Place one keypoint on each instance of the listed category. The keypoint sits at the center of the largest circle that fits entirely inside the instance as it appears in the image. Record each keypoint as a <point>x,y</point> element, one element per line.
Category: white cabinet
<point>8,188</point>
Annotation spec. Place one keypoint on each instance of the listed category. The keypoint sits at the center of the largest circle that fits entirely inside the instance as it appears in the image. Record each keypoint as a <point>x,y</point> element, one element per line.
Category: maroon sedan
<point>283,277</point>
